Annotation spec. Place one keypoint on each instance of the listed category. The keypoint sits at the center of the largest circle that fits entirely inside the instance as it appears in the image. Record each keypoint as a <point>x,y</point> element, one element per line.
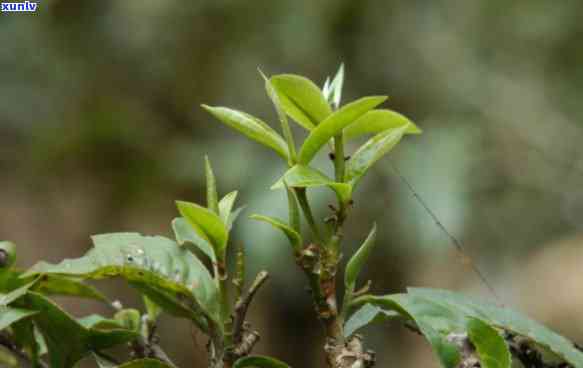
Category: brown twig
<point>242,305</point>
<point>148,346</point>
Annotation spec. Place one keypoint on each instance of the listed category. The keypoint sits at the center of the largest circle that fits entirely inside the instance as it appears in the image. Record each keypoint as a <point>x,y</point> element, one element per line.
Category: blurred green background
<point>101,130</point>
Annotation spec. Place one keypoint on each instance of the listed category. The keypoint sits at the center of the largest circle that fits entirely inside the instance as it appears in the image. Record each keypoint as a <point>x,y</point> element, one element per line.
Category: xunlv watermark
<point>26,6</point>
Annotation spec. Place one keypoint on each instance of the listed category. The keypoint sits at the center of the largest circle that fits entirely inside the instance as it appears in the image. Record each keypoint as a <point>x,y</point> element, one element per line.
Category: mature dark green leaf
<point>301,176</point>
<point>439,313</point>
<point>372,151</point>
<point>49,285</point>
<point>207,221</point>
<point>167,273</point>
<point>188,235</point>
<point>377,121</point>
<point>6,299</point>
<point>358,260</point>
<point>212,197</point>
<point>69,341</point>
<point>29,338</point>
<point>504,318</point>
<point>226,207</point>
<point>67,286</point>
<point>492,349</point>
<point>366,315</point>
<point>258,361</point>
<point>334,124</point>
<point>432,319</point>
<point>294,238</point>
<point>301,99</point>
<point>9,315</point>
<point>252,127</point>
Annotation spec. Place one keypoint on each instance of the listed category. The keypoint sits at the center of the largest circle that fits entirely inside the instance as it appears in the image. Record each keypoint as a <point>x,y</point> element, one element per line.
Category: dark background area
<point>101,130</point>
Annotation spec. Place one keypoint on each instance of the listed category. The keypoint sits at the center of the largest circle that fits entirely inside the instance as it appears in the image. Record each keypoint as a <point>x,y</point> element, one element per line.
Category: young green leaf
<point>301,176</point>
<point>377,121</point>
<point>252,127</point>
<point>337,85</point>
<point>358,260</point>
<point>187,235</point>
<point>334,124</point>
<point>212,197</point>
<point>372,151</point>
<point>158,267</point>
<point>226,207</point>
<point>234,215</point>
<point>287,133</point>
<point>492,349</point>
<point>327,90</point>
<point>294,238</point>
<point>301,99</point>
<point>257,361</point>
<point>209,222</point>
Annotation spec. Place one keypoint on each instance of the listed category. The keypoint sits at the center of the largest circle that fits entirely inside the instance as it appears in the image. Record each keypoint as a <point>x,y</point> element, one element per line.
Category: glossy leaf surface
<point>377,121</point>
<point>250,126</point>
<point>334,124</point>
<point>301,99</point>
<point>167,273</point>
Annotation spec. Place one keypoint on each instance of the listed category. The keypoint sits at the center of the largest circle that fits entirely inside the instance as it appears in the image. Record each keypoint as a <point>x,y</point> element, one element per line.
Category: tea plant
<point>189,277</point>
